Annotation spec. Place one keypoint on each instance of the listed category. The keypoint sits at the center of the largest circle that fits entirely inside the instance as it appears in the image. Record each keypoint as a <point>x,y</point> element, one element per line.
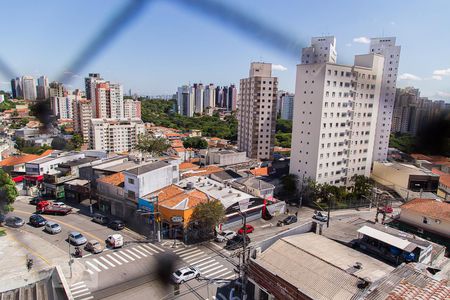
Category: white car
<point>114,241</point>
<point>225,236</point>
<point>185,274</point>
<point>59,204</point>
<point>52,227</point>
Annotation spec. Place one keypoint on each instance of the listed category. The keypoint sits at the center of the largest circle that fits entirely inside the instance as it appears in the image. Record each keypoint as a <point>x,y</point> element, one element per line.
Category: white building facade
<point>391,53</point>
<point>62,107</point>
<point>334,119</point>
<point>257,112</point>
<point>186,100</point>
<point>115,135</point>
<point>82,115</point>
<point>287,107</point>
<point>28,88</point>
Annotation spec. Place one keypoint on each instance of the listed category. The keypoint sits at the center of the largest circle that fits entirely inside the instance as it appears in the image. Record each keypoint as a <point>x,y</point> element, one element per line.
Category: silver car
<point>77,238</point>
<point>14,221</point>
<point>52,227</point>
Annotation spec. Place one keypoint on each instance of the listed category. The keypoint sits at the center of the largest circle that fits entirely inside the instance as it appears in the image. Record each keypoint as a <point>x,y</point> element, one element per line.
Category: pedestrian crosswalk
<point>80,291</point>
<point>112,259</point>
<point>208,266</point>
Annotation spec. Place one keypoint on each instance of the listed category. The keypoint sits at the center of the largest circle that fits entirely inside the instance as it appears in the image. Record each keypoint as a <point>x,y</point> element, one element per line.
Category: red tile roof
<point>188,166</point>
<point>428,207</point>
<point>116,179</point>
<point>21,159</point>
<point>432,290</point>
<point>172,195</point>
<point>260,171</point>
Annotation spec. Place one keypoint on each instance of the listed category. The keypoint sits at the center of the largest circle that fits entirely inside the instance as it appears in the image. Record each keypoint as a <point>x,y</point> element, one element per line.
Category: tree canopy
<point>152,145</point>
<point>195,142</point>
<point>8,192</point>
<point>205,217</point>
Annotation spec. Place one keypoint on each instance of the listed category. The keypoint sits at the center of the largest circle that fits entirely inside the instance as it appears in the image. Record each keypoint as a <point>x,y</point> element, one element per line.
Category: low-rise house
<point>427,215</point>
<point>444,184</point>
<point>225,176</point>
<point>15,165</point>
<point>255,186</point>
<point>111,196</point>
<point>222,157</point>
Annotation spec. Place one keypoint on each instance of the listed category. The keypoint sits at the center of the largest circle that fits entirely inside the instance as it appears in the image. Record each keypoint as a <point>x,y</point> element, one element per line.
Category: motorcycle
<point>29,264</point>
<point>78,252</point>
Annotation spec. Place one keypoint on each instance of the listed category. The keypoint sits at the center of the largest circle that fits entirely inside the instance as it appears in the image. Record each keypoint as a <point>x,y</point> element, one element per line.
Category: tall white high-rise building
<point>186,100</point>
<point>257,111</point>
<point>62,107</point>
<point>82,115</point>
<point>199,98</point>
<point>391,53</point>
<point>132,108</point>
<point>28,88</point>
<point>115,135</point>
<point>42,88</point>
<point>210,96</point>
<point>334,122</point>
<point>322,49</point>
<point>108,101</point>
<point>287,106</point>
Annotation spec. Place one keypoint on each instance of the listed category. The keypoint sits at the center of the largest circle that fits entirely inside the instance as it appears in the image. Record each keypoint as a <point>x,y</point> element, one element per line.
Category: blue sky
<point>168,44</point>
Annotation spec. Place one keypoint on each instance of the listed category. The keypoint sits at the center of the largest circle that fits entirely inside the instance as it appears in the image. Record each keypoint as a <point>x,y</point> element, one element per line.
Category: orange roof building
<point>17,163</point>
<point>202,171</point>
<point>117,179</point>
<point>186,166</point>
<point>260,171</point>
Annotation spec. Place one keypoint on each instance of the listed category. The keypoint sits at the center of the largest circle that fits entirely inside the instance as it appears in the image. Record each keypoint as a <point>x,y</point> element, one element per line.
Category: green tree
<point>205,217</point>
<point>284,126</point>
<point>58,143</point>
<point>8,192</point>
<point>289,183</point>
<point>77,141</point>
<point>152,145</point>
<point>195,142</point>
<point>362,186</point>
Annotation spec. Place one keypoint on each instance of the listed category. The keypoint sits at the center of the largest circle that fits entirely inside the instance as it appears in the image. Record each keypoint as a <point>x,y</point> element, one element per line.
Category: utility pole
<point>244,292</point>
<point>329,210</point>
<point>70,256</point>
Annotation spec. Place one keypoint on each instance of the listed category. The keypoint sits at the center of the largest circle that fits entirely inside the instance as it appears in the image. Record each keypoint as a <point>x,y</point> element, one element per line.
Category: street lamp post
<point>70,255</point>
<point>244,246</point>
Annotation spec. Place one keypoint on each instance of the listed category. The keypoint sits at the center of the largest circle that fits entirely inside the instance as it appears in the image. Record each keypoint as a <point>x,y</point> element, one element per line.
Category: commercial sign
<point>177,219</point>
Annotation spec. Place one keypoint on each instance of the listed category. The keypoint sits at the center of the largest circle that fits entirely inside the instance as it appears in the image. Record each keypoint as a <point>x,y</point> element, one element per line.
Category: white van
<point>114,241</point>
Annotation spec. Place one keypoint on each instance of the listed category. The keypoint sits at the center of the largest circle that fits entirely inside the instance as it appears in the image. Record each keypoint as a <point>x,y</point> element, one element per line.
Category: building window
<point>130,180</point>
<point>425,220</point>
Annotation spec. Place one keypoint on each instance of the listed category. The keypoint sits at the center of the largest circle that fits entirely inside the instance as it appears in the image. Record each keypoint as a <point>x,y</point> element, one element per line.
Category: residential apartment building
<point>209,97</point>
<point>57,89</point>
<point>90,83</point>
<point>82,115</point>
<point>115,135</point>
<point>28,88</point>
<point>287,106</point>
<point>62,107</point>
<point>257,112</point>
<point>109,101</point>
<point>391,53</point>
<point>334,117</point>
<point>199,98</point>
<point>186,100</point>
<point>132,108</point>
<point>231,98</point>
<point>16,87</point>
<point>322,50</point>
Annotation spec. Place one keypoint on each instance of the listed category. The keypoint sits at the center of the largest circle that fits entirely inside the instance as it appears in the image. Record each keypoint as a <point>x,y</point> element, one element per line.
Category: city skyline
<point>145,58</point>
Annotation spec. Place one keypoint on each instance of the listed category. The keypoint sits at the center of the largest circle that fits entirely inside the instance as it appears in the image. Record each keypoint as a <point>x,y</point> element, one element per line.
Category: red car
<point>248,229</point>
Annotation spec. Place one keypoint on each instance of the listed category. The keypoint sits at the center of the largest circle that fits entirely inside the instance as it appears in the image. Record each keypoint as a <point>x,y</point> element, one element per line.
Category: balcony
<point>59,178</point>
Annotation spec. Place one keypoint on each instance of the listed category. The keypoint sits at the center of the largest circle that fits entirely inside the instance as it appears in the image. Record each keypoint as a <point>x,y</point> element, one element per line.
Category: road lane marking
<point>114,260</point>
<point>90,272</point>
<point>204,263</point>
<point>78,287</point>
<point>205,273</point>
<point>107,261</point>
<point>132,253</point>
<point>204,269</point>
<point>153,245</point>
<point>189,253</point>
<point>230,277</point>
<point>29,249</point>
<point>145,250</point>
<point>93,266</point>
<point>193,255</point>
<point>221,272</point>
<point>150,248</point>
<point>85,294</point>
<point>127,256</point>
<point>100,264</point>
<point>181,250</point>
<point>87,298</point>
<point>78,283</point>
<point>80,292</point>
<point>139,252</point>
<point>116,254</point>
<point>200,260</point>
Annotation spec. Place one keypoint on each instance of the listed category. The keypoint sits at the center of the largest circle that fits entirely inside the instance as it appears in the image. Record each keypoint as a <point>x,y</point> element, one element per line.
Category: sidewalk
<point>19,245</point>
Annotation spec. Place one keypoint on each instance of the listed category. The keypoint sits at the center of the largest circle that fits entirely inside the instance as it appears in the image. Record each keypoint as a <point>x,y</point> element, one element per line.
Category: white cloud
<point>279,68</point>
<point>362,40</point>
<point>348,44</point>
<point>443,94</point>
<point>408,76</point>
<point>443,72</point>
<point>436,77</point>
<point>393,23</point>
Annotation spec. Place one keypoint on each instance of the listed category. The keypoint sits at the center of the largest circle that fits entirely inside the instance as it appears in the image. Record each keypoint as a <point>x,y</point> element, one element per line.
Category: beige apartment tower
<point>257,112</point>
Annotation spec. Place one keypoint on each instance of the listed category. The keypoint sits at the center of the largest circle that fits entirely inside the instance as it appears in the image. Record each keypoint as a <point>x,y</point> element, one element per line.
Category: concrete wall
<point>304,228</point>
<point>440,227</point>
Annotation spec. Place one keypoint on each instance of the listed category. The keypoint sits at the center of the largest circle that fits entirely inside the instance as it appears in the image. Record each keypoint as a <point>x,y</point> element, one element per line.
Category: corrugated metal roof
<point>384,237</point>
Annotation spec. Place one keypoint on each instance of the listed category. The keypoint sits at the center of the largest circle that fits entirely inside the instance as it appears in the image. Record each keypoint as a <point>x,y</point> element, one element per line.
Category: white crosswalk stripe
<point>107,261</point>
<point>83,286</point>
<point>182,250</point>
<point>127,256</point>
<point>210,270</point>
<point>150,248</point>
<point>221,271</point>
<point>145,250</point>
<point>139,252</point>
<point>120,257</point>
<point>190,253</point>
<point>204,263</point>
<point>193,256</point>
<point>80,292</point>
<point>87,298</point>
<point>159,249</point>
<point>132,253</point>
<point>90,272</point>
<point>200,260</point>
<point>203,269</point>
<point>93,266</point>
<point>77,284</point>
<point>100,264</point>
<point>230,277</point>
<point>82,295</point>
<point>114,260</point>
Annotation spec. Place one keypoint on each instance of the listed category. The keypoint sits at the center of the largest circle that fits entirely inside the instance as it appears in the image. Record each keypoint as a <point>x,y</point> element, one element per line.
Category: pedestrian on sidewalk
<point>296,213</point>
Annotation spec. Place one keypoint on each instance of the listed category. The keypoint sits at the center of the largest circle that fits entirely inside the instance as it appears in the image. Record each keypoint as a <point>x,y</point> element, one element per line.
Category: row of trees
<point>325,194</point>
<point>8,192</point>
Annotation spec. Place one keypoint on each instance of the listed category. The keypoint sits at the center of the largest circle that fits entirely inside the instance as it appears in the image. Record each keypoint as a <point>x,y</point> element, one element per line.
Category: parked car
<point>185,274</point>
<point>114,241</point>
<point>225,236</point>
<point>248,229</point>
<point>320,216</point>
<point>37,220</point>
<point>117,225</point>
<point>59,204</point>
<point>52,227</point>
<point>286,221</point>
<point>237,242</point>
<point>100,219</point>
<point>14,221</point>
<point>76,238</point>
<point>94,246</point>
